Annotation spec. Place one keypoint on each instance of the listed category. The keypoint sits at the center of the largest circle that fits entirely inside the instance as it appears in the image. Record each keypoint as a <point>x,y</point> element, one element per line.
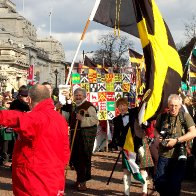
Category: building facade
<point>20,48</point>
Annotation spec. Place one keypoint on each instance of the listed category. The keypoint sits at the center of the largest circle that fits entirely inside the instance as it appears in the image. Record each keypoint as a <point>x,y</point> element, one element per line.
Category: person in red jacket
<point>41,151</point>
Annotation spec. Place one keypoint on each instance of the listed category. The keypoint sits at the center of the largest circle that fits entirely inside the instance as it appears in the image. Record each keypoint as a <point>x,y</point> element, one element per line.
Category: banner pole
<point>82,38</point>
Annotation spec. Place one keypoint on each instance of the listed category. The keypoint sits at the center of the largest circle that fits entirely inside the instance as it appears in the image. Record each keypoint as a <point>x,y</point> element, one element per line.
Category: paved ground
<point>102,166</point>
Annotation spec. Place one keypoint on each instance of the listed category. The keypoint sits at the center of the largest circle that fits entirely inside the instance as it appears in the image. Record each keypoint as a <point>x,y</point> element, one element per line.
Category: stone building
<point>20,48</point>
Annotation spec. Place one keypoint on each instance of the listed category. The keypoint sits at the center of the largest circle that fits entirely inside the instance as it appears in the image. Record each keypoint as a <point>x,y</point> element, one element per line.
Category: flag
<point>102,69</point>
<point>89,63</point>
<point>192,64</point>
<point>137,62</point>
<point>117,14</point>
<point>129,157</point>
<point>136,59</point>
<point>142,19</point>
<point>163,65</point>
<point>189,75</point>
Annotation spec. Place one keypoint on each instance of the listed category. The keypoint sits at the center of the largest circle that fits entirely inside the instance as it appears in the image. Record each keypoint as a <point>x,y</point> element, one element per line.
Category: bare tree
<point>185,49</point>
<point>113,50</point>
<point>190,28</point>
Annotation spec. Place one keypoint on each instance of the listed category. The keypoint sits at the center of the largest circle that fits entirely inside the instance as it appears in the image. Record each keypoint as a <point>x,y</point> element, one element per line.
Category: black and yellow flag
<point>136,59</point>
<point>142,19</point>
<point>163,65</point>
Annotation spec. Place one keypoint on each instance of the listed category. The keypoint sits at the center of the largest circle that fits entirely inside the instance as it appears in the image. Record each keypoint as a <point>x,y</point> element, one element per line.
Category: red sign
<point>30,75</point>
<point>110,96</point>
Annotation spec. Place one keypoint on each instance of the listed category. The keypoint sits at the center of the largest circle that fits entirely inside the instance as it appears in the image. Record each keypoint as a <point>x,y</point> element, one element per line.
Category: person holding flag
<point>128,143</point>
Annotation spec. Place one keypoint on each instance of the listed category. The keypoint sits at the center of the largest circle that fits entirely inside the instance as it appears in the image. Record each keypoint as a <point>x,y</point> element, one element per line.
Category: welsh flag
<point>129,158</point>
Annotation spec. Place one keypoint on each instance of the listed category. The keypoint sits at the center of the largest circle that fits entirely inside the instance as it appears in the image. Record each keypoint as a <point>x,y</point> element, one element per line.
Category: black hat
<point>23,92</point>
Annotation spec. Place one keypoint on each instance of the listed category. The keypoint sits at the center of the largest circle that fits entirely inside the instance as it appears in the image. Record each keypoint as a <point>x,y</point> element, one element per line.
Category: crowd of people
<point>41,138</point>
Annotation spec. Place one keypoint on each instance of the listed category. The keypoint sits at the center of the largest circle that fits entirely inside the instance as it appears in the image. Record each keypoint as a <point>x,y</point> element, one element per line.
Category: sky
<point>69,17</point>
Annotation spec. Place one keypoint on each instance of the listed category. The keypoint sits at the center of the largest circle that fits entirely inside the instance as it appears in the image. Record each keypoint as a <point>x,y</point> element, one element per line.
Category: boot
<point>127,183</point>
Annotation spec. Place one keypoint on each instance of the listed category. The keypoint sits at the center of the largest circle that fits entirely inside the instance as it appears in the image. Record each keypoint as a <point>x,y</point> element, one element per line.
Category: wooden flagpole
<point>82,38</point>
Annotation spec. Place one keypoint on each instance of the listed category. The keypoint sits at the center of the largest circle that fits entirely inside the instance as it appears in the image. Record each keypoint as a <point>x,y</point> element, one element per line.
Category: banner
<point>103,90</point>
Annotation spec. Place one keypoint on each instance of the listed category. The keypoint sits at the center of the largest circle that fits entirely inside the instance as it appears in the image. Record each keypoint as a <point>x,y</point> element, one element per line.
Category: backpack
<point>189,143</point>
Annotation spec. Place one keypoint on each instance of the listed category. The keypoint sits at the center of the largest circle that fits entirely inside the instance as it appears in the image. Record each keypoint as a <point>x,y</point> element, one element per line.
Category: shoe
<point>82,186</point>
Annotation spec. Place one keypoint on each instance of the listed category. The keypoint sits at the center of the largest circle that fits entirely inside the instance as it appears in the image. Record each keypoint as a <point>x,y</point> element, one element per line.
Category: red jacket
<point>41,152</point>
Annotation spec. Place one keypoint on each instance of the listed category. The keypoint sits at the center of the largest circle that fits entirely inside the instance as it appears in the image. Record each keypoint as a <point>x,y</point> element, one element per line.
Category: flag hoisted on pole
<point>163,66</point>
<point>189,75</point>
<point>117,14</point>
<point>192,65</point>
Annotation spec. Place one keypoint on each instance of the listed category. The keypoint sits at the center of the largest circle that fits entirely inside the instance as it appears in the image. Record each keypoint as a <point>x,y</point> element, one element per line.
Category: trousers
<point>169,175</point>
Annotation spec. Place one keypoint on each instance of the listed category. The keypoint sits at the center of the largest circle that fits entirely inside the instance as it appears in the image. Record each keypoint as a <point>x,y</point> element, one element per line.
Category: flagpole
<point>23,8</point>
<point>82,37</point>
<point>50,15</point>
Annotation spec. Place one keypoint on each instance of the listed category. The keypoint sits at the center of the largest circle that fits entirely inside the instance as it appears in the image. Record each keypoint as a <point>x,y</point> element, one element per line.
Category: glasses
<point>173,106</point>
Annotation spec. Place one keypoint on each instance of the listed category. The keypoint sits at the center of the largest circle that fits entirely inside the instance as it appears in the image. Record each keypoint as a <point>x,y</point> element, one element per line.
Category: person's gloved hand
<point>141,151</point>
<point>66,91</point>
<point>145,125</point>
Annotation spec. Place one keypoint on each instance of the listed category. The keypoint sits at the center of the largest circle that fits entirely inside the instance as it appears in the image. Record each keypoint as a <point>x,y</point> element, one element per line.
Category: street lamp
<point>56,73</point>
<point>86,53</point>
<point>3,80</point>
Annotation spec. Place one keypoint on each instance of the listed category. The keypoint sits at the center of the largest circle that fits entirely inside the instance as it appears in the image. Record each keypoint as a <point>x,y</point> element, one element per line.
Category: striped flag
<point>142,19</point>
<point>189,75</point>
<point>129,157</point>
<point>136,59</point>
<point>137,62</point>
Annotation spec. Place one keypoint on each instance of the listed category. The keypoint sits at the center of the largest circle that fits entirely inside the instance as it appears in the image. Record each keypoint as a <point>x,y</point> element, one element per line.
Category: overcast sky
<point>69,18</point>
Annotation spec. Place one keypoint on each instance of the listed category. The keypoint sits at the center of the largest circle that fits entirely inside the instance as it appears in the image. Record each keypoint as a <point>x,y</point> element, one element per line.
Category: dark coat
<point>120,132</point>
<point>19,105</point>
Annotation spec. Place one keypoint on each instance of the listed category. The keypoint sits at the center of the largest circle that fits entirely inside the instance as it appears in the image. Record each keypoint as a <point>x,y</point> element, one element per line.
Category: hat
<point>23,92</point>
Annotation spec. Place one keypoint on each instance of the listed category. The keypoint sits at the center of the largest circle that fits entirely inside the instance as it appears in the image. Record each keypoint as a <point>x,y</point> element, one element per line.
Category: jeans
<point>169,176</point>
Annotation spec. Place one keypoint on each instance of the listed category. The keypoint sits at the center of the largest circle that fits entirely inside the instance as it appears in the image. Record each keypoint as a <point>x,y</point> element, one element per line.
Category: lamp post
<point>83,53</point>
<point>3,80</point>
<point>56,73</point>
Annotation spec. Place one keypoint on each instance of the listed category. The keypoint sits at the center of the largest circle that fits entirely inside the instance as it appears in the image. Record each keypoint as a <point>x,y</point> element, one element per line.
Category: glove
<point>145,123</point>
<point>141,151</point>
